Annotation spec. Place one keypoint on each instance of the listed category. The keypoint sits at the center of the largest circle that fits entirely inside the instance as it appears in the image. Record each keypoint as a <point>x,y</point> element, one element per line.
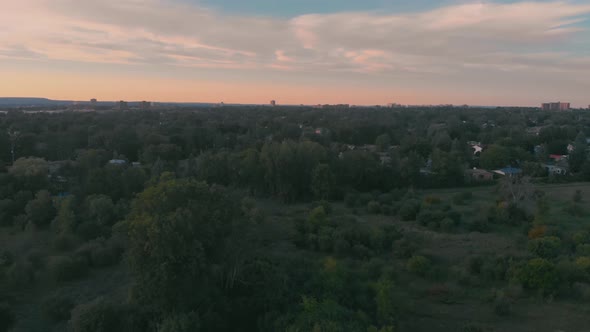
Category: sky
<point>369,52</point>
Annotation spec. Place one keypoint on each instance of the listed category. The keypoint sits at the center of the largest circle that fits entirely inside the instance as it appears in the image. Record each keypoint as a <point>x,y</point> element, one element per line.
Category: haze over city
<point>370,52</point>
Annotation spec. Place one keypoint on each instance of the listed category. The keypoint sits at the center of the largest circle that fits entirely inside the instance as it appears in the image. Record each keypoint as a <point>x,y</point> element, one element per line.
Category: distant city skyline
<point>503,52</point>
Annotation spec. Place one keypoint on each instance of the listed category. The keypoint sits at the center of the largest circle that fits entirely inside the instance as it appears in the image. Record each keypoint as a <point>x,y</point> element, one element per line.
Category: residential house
<point>557,157</point>
<point>479,175</point>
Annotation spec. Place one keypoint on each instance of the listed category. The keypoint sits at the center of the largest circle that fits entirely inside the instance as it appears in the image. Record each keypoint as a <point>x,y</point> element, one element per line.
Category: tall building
<point>273,103</point>
<point>558,106</point>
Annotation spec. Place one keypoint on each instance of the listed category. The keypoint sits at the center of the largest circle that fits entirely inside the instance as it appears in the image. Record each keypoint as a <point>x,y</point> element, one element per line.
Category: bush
<point>387,210</point>
<point>479,224</point>
<point>462,197</point>
<point>64,242</point>
<point>97,316</point>
<point>180,323</point>
<point>7,318</point>
<point>385,199</point>
<point>447,224</point>
<point>57,307</point>
<point>65,268</point>
<point>6,258</point>
<point>365,198</point>
<point>502,306</point>
<point>374,207</point>
<point>537,231</point>
<point>419,265</point>
<point>409,209</point>
<point>545,247</point>
<point>578,196</point>
<point>36,258</point>
<point>539,274</point>
<point>581,237</point>
<point>351,199</point>
<point>90,230</point>
<point>404,248</point>
<point>323,203</point>
<point>583,249</point>
<point>432,200</point>
<point>428,216</point>
<point>575,210</point>
<point>20,275</point>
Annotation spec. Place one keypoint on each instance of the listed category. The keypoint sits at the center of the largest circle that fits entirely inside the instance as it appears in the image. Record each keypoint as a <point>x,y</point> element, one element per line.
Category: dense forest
<point>294,219</point>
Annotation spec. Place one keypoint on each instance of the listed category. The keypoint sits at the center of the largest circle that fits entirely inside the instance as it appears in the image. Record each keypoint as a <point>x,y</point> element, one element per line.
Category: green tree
<point>539,273</point>
<point>578,156</point>
<point>40,211</point>
<point>321,183</point>
<point>65,221</point>
<point>545,247</point>
<point>494,157</point>
<point>383,142</point>
<point>177,230</point>
<point>385,301</point>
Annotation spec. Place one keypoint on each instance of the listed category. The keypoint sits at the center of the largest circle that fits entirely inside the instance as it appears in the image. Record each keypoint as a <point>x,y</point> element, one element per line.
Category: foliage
<point>539,273</point>
<point>545,247</point>
<point>419,265</point>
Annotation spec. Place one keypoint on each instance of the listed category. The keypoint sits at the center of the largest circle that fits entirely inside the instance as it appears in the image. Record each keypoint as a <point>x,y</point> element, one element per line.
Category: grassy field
<point>450,301</point>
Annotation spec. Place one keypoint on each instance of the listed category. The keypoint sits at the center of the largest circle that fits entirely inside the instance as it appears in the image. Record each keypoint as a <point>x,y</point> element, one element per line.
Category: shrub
<point>365,198</point>
<point>7,318</point>
<point>105,256</point>
<point>582,290</point>
<point>65,268</point>
<point>502,305</point>
<point>462,197</point>
<point>419,265</point>
<point>409,209</point>
<point>479,224</point>
<point>545,247</point>
<point>428,216</point>
<point>404,248</point>
<point>36,258</point>
<point>325,204</point>
<point>583,249</point>
<point>387,210</point>
<point>539,274</point>
<point>537,231</point>
<point>575,210</point>
<point>20,275</point>
<point>6,258</point>
<point>583,265</point>
<point>577,196</point>
<point>374,207</point>
<point>385,199</point>
<point>64,242</point>
<point>360,251</point>
<point>97,316</point>
<point>447,224</point>
<point>581,237</point>
<point>351,199</point>
<point>90,230</point>
<point>180,323</point>
<point>431,200</point>
<point>57,307</point>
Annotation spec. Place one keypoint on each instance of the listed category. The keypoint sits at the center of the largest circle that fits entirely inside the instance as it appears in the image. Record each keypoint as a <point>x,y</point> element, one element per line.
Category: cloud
<point>450,40</point>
